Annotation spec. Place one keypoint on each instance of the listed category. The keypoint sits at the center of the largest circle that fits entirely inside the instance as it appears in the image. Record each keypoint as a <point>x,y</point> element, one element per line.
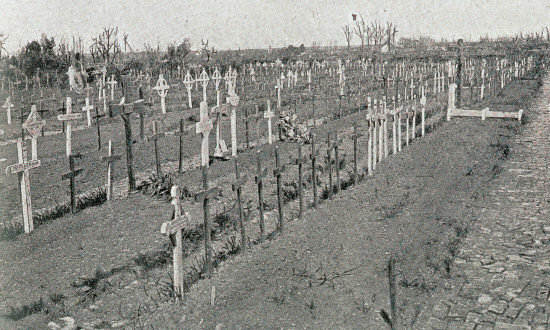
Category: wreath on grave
<point>291,129</point>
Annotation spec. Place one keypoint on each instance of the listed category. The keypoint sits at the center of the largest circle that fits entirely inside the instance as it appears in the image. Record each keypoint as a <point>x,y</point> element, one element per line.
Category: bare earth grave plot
<point>376,179</point>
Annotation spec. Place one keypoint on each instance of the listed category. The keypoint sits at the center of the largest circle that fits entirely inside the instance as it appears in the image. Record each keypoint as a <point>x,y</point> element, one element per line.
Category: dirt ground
<point>326,271</point>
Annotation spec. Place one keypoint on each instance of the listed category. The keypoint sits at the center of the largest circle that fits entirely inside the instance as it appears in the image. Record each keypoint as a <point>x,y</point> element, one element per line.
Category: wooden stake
<point>71,175</point>
<point>260,175</point>
<point>277,173</point>
<point>313,156</point>
<point>237,186</point>
<point>110,160</point>
<point>300,162</point>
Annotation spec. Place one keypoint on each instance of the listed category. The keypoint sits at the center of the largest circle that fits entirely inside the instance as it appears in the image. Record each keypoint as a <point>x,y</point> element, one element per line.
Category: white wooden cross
<point>69,117</point>
<point>203,79</point>
<point>204,126</point>
<point>112,82</point>
<point>87,108</point>
<point>188,82</point>
<point>173,229</point>
<point>22,169</point>
<point>233,100</point>
<point>281,85</point>
<point>162,89</point>
<point>33,125</point>
<point>269,114</point>
<point>233,77</point>
<point>217,78</point>
<point>8,105</point>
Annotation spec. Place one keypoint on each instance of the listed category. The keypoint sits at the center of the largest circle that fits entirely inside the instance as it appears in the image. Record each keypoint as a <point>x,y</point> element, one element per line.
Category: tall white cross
<point>162,89</point>
<point>8,105</point>
<point>22,169</point>
<point>204,126</point>
<point>87,108</point>
<point>217,77</point>
<point>269,114</point>
<point>203,79</point>
<point>188,82</point>
<point>69,117</point>
<point>112,82</point>
<point>233,99</point>
<point>33,125</point>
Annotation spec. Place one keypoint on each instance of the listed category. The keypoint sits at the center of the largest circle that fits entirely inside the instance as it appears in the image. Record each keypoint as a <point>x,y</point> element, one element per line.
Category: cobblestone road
<point>503,268</point>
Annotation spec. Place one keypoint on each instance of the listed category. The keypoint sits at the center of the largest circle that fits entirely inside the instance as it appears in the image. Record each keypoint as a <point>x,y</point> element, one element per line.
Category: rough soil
<point>325,271</point>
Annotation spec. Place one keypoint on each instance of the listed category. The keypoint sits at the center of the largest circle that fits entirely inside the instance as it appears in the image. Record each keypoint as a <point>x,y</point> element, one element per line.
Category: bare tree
<point>362,31</point>
<point>348,33</point>
<point>207,50</point>
<point>4,37</point>
<point>391,31</point>
<point>106,45</point>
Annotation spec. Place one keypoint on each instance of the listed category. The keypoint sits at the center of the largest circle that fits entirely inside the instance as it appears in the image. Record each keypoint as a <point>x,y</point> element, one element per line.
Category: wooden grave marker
<point>277,173</point>
<point>173,229</point>
<point>110,160</point>
<point>34,125</point>
<point>71,175</point>
<point>300,161</point>
<point>180,135</point>
<point>356,135</point>
<point>313,156</point>
<point>203,127</point>
<point>22,169</point>
<point>268,115</point>
<point>8,105</point>
<point>162,88</point>
<point>69,117</point>
<point>188,82</point>
<point>154,137</point>
<point>258,179</point>
<point>237,186</point>
<point>87,109</point>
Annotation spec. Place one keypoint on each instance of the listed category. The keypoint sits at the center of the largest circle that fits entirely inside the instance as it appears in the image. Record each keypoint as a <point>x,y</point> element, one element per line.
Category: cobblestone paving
<point>503,267</point>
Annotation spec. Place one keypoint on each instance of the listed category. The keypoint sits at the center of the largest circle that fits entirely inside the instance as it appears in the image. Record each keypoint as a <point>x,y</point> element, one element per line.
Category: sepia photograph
<point>275,164</point>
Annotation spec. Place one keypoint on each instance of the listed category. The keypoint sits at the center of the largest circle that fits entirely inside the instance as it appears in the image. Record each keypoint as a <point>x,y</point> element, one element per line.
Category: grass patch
<point>18,313</point>
<point>93,198</point>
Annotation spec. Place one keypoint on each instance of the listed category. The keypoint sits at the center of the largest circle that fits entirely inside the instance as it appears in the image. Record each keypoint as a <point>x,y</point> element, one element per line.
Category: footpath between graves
<point>325,271</point>
<point>502,270</point>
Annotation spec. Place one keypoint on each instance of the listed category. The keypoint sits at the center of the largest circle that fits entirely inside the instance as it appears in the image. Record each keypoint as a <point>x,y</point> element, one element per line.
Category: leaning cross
<point>269,114</point>
<point>33,125</point>
<point>69,117</point>
<point>204,126</point>
<point>173,229</point>
<point>162,89</point>
<point>8,105</point>
<point>110,160</point>
<point>22,169</point>
<point>71,176</point>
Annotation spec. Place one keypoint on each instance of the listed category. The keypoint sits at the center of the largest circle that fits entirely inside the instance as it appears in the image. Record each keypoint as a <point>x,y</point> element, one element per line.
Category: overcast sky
<point>258,24</point>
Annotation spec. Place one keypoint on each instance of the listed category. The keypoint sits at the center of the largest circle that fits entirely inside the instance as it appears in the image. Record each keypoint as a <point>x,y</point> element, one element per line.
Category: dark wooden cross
<point>126,117</point>
<point>300,162</point>
<point>277,173</point>
<point>204,196</point>
<point>180,135</point>
<point>237,185</point>
<point>260,176</point>
<point>140,108</point>
<point>356,135</point>
<point>313,156</point>
<point>329,165</point>
<point>336,143</point>
<point>156,135</point>
<point>110,160</point>
<point>71,175</point>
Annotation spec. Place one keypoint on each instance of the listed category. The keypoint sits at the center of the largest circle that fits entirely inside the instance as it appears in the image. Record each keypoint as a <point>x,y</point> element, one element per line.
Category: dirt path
<point>501,277</point>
